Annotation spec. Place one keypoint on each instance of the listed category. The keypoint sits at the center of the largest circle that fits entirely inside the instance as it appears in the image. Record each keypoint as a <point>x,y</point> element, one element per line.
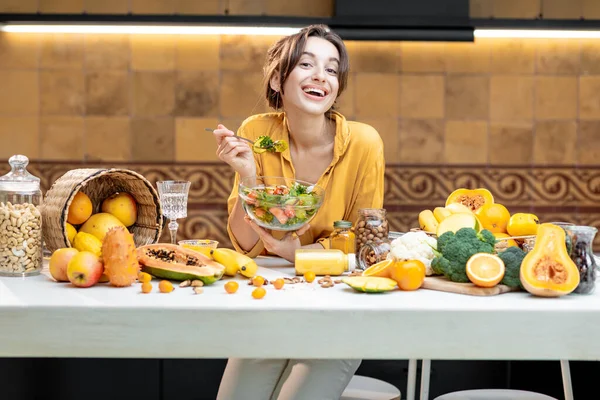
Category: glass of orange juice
<point>203,246</point>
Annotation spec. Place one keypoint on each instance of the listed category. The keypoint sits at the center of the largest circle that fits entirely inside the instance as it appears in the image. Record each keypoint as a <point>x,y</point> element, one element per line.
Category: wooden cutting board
<point>445,285</point>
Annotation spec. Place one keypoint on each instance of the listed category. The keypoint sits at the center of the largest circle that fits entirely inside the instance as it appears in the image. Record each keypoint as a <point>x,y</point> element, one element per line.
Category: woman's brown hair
<point>283,56</point>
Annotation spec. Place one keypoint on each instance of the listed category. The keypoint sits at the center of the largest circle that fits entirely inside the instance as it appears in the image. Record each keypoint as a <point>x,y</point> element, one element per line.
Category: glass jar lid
<point>342,224</point>
<point>19,179</point>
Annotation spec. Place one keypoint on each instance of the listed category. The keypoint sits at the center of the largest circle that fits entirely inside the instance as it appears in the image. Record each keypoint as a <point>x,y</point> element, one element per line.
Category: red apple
<point>85,269</point>
<point>59,261</point>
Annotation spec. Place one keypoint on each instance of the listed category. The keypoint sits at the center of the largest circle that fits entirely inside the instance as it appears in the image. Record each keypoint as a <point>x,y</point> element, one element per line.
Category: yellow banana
<point>441,213</point>
<point>427,221</point>
<point>234,262</point>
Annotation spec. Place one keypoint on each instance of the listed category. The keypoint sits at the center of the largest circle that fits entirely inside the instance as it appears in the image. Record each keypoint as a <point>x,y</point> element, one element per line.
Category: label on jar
<point>20,238</point>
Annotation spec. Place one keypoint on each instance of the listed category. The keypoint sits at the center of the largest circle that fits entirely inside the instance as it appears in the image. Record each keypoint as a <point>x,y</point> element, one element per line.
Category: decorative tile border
<point>553,193</point>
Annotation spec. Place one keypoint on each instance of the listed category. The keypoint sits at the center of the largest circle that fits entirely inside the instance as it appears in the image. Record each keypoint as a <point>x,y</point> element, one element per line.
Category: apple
<point>59,261</point>
<point>85,269</point>
<point>123,206</point>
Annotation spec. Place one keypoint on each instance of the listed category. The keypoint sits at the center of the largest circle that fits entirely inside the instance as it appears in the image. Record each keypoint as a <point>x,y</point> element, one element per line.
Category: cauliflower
<point>414,246</point>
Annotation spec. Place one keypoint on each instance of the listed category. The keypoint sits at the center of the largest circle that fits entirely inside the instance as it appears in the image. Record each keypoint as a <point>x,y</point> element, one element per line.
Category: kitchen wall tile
<point>153,52</point>
<point>19,6</point>
<point>192,143</point>
<point>511,98</point>
<point>588,145</point>
<point>197,94</point>
<point>388,129</point>
<point>422,141</point>
<point>153,139</point>
<point>106,6</point>
<point>60,50</point>
<point>481,8</point>
<point>244,53</point>
<point>422,57</point>
<point>19,135</point>
<point>245,7</point>
<point>589,97</point>
<point>346,102</point>
<point>509,56</point>
<point>230,123</point>
<point>555,142</point>
<point>107,52</point>
<point>20,93</point>
<point>195,7</point>
<point>61,138</point>
<point>467,97</point>
<point>153,93</point>
<point>466,142</point>
<point>422,96</point>
<point>511,143</point>
<point>19,51</point>
<point>307,8</point>
<point>590,9</point>
<point>556,97</point>
<point>107,139</point>
<point>61,6</point>
<point>241,95</point>
<point>561,9</point>
<point>107,93</point>
<point>590,57</point>
<point>374,56</point>
<point>197,52</point>
<point>152,6</point>
<point>528,9</point>
<point>378,95</point>
<point>558,57</point>
<point>463,57</point>
<point>61,92</point>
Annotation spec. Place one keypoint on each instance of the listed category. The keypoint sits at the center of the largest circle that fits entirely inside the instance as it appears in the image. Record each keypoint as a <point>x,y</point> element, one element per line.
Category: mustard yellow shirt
<point>353,180</point>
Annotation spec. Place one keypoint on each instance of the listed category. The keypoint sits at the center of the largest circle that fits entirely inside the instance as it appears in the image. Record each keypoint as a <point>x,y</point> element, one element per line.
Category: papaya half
<point>169,261</point>
<point>475,199</point>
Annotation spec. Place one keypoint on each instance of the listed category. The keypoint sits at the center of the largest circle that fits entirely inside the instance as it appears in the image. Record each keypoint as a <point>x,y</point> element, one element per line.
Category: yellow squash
<point>472,198</point>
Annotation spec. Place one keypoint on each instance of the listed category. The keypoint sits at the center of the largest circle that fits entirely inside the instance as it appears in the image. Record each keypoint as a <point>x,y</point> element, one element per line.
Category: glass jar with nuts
<point>371,227</point>
<point>372,253</point>
<point>20,221</point>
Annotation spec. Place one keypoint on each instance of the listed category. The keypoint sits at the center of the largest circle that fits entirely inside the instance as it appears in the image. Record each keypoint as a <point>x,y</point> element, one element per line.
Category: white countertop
<point>43,318</point>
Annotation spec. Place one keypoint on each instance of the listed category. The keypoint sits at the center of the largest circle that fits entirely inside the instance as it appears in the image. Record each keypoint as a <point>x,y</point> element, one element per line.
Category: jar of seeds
<point>582,254</point>
<point>20,221</point>
<point>371,227</point>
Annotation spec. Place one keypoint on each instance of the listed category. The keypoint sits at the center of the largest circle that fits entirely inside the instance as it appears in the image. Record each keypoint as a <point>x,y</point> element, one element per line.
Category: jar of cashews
<point>20,221</point>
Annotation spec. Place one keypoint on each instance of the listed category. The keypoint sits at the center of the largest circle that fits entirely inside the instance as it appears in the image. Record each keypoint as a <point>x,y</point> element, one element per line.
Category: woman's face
<point>313,85</point>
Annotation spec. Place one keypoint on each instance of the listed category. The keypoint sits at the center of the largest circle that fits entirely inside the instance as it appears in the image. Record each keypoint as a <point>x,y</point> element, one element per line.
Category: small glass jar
<point>342,237</point>
<point>20,221</point>
<point>582,254</point>
<point>371,227</point>
<point>371,253</point>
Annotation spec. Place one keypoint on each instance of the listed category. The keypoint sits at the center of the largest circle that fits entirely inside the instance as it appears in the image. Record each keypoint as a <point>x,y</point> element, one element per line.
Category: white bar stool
<point>494,394</point>
<point>366,388</point>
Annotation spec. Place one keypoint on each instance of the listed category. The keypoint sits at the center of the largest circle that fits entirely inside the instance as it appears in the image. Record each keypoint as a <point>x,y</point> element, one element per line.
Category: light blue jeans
<point>267,379</point>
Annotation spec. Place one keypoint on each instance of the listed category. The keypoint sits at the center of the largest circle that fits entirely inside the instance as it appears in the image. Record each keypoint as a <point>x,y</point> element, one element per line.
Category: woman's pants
<point>268,379</point>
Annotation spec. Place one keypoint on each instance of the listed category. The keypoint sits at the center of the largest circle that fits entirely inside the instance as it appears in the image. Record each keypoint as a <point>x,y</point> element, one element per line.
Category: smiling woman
<point>304,75</point>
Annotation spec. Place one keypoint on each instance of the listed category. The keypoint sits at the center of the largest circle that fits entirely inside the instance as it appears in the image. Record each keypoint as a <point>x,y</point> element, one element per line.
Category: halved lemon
<point>485,270</point>
<point>381,269</point>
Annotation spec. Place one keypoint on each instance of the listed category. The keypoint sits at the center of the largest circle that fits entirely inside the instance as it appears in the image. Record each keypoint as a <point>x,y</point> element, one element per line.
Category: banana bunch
<point>234,262</point>
<point>429,220</point>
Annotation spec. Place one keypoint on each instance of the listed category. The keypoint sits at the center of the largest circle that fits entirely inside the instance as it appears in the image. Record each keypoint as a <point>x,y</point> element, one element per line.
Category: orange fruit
<point>259,292</point>
<point>409,274</point>
<point>309,276</point>
<point>146,287</point>
<point>485,270</point>
<point>258,281</point>
<point>381,269</point>
<point>231,287</point>
<point>165,286</point>
<point>278,283</point>
<point>80,209</point>
<point>494,217</point>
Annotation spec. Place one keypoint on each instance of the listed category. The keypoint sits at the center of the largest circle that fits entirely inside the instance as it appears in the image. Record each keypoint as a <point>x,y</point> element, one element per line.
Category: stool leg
<point>425,373</point>
<point>566,377</point>
<point>412,380</point>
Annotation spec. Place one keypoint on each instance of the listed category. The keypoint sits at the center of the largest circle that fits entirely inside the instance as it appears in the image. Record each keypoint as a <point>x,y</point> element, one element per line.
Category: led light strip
<point>536,34</point>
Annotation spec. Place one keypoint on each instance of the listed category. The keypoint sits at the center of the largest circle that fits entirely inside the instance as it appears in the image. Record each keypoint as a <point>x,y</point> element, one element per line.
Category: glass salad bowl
<point>278,203</point>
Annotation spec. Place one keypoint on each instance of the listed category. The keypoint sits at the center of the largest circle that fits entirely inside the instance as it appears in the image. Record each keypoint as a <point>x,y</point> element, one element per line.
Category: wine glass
<point>173,198</point>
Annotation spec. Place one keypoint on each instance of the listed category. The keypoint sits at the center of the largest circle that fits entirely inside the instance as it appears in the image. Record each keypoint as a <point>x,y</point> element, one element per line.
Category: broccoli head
<point>512,258</point>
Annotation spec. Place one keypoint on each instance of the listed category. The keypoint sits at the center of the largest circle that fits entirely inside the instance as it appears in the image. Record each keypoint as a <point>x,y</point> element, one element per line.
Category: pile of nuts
<point>20,238</point>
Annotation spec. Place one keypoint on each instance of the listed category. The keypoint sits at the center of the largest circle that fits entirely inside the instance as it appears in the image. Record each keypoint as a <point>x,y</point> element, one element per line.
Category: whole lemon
<point>71,232</point>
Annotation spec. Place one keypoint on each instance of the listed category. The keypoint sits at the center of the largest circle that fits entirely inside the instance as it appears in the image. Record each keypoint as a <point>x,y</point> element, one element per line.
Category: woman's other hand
<point>284,247</point>
<point>235,152</point>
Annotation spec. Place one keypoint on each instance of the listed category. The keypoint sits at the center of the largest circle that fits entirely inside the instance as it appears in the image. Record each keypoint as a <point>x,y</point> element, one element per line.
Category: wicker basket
<point>99,184</point>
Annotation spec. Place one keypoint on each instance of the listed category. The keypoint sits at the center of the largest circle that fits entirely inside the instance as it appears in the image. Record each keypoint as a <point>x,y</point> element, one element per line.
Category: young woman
<point>304,75</point>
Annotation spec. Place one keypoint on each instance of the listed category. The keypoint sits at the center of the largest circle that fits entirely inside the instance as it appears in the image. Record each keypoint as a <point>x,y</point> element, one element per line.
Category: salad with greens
<point>265,143</point>
<point>281,207</point>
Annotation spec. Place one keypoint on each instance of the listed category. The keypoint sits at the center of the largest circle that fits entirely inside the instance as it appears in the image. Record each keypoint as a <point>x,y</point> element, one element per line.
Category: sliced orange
<point>381,269</point>
<point>485,270</point>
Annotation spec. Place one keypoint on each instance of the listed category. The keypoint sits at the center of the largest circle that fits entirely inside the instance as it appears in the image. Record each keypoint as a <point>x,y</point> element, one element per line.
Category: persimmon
<point>409,274</point>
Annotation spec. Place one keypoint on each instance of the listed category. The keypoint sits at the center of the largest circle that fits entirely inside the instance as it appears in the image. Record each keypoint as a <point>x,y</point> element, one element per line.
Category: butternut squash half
<point>475,199</point>
<point>547,270</point>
